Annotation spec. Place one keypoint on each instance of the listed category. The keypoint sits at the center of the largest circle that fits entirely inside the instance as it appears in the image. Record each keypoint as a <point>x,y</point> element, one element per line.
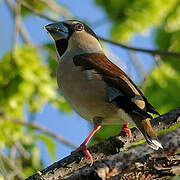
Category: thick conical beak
<point>57,30</point>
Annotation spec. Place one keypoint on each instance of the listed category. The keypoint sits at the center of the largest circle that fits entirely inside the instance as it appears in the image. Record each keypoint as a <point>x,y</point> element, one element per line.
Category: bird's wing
<point>121,88</point>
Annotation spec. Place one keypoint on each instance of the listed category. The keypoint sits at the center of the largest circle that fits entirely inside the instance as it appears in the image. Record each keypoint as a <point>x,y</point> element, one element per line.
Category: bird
<point>97,89</point>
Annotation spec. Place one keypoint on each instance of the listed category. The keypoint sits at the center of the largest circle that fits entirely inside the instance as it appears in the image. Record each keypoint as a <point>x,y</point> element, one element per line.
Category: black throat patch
<point>61,46</point>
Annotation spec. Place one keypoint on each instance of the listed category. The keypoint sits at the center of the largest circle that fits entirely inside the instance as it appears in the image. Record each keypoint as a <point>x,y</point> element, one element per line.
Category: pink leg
<point>126,129</point>
<point>83,145</point>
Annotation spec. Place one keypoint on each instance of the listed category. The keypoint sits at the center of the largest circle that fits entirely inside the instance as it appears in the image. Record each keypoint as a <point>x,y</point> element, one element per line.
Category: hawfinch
<point>97,89</point>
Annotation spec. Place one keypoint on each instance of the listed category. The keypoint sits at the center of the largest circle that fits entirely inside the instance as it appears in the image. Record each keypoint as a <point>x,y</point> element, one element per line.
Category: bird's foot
<point>126,129</point>
<point>87,153</point>
<point>83,148</point>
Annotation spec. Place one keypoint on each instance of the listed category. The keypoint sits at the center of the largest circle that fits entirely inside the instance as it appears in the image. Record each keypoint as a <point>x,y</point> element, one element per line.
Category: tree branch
<point>22,151</point>
<point>36,12</point>
<point>150,51</point>
<point>13,166</point>
<point>37,127</point>
<point>22,29</point>
<point>58,9</point>
<point>44,130</point>
<point>135,60</point>
<point>112,161</point>
<point>17,24</point>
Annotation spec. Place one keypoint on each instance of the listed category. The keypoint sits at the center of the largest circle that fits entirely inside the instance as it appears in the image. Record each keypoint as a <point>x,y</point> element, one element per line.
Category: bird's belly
<point>87,97</point>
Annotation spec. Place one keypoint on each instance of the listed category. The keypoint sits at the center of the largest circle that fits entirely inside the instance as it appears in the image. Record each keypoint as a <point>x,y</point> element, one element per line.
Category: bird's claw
<point>83,148</point>
<point>126,129</point>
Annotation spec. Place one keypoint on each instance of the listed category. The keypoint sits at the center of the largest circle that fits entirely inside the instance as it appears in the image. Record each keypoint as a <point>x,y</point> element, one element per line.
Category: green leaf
<point>162,87</point>
<point>35,152</point>
<point>129,17</point>
<point>37,5</point>
<point>50,145</point>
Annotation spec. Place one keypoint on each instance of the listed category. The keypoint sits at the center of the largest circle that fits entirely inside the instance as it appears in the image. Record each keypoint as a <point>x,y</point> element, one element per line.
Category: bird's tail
<point>145,127</point>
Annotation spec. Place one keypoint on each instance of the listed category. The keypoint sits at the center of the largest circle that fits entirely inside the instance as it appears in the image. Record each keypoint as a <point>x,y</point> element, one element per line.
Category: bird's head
<point>73,36</point>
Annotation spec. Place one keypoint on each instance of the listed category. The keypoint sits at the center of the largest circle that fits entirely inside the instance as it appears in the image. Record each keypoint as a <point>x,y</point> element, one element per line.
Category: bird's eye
<point>78,27</point>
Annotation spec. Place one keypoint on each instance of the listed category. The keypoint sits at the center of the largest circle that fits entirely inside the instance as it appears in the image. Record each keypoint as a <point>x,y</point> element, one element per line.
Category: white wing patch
<point>92,74</point>
<point>89,74</point>
<point>155,145</point>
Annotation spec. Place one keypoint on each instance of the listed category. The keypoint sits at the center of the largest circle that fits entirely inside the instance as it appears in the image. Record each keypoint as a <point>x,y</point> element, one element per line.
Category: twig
<point>25,36</point>
<point>137,64</point>
<point>17,24</point>
<point>36,12</point>
<point>22,29</point>
<point>3,170</point>
<point>153,52</point>
<point>12,152</point>
<point>25,154</point>
<point>59,9</point>
<point>37,127</point>
<point>13,166</point>
<point>43,130</point>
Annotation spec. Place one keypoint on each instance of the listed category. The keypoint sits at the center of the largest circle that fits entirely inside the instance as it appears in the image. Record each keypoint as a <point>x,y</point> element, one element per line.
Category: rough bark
<point>114,161</point>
